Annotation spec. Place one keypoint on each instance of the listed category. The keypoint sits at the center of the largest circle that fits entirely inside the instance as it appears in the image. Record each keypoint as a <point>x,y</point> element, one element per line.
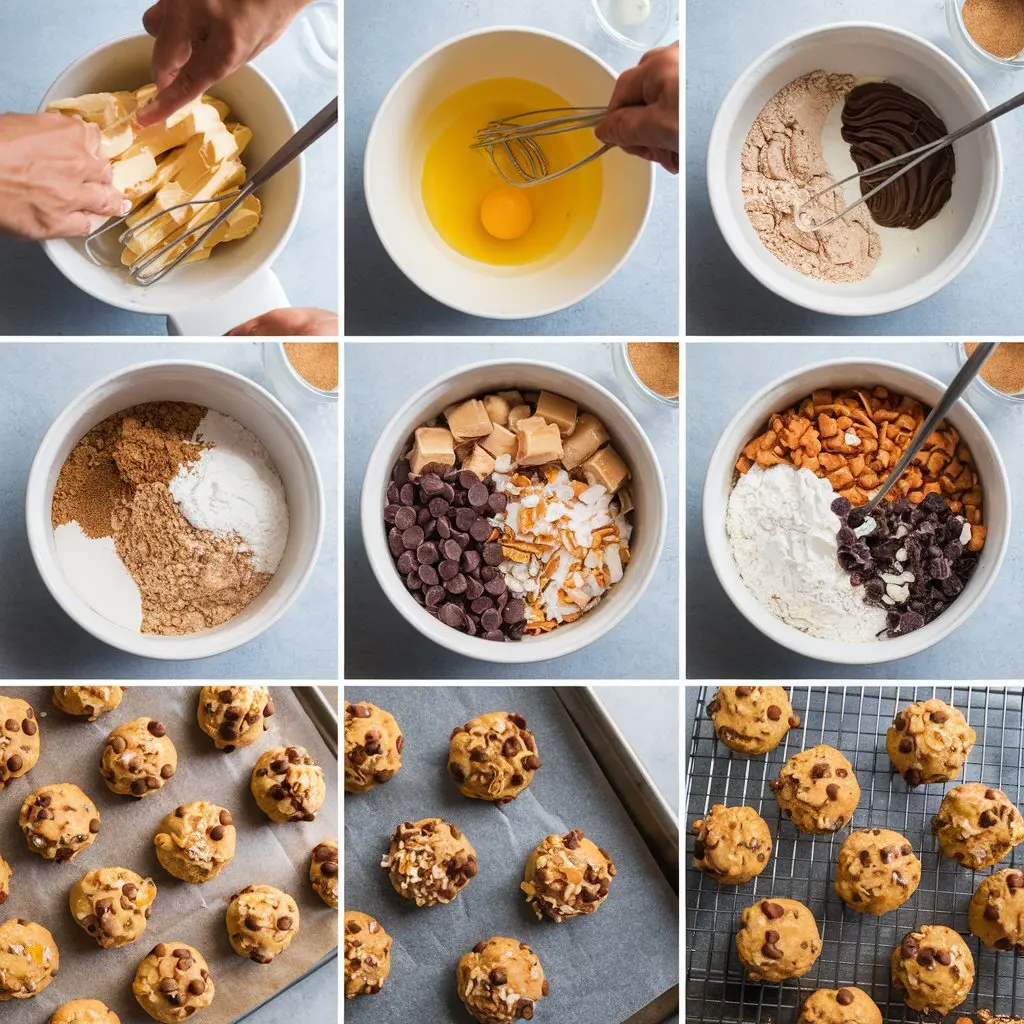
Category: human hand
<point>289,323</point>
<point>643,114</point>
<point>53,182</point>
<point>199,42</point>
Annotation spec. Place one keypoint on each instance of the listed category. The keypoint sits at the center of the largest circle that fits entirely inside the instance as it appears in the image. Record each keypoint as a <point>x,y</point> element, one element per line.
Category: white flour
<point>782,534</point>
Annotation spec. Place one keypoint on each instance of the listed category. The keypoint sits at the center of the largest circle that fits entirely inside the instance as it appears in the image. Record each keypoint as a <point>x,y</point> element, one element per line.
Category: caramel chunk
<point>479,462</point>
<point>433,445</point>
<point>588,436</point>
<point>468,420</point>
<point>499,442</point>
<point>497,408</point>
<point>557,410</point>
<point>606,468</point>
<point>538,442</point>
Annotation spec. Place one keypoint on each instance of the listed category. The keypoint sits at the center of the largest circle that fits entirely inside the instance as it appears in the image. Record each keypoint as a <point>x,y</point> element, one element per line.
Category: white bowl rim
<point>716,184</point>
<point>381,563</point>
<point>191,646</point>
<point>400,81</point>
<point>837,652</point>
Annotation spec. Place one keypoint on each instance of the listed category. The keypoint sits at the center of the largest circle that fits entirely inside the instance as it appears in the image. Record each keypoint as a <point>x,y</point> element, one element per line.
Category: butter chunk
<point>115,140</point>
<point>606,468</point>
<point>517,413</point>
<point>500,441</point>
<point>558,410</point>
<point>432,446</point>
<point>132,173</point>
<point>479,462</point>
<point>588,436</point>
<point>537,442</point>
<point>468,420</point>
<point>497,408</point>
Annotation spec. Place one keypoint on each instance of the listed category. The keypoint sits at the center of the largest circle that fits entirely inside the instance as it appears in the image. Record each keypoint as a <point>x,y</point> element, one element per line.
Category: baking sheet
<point>266,853</point>
<point>602,968</point>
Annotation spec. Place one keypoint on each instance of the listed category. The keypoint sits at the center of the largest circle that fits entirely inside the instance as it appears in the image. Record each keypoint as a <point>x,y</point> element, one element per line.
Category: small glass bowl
<point>652,31</point>
<point>958,30</point>
<point>286,380</point>
<point>628,376</point>
<point>982,384</point>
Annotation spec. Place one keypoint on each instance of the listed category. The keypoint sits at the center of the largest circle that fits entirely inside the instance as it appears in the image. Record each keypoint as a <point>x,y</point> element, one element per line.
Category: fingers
<point>102,199</point>
<point>245,330</point>
<point>152,20</point>
<point>629,89</point>
<point>633,126</point>
<point>74,225</point>
<point>204,69</point>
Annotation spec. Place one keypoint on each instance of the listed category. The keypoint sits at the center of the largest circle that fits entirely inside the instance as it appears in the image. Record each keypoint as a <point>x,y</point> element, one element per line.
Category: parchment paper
<point>602,968</point>
<point>274,854</point>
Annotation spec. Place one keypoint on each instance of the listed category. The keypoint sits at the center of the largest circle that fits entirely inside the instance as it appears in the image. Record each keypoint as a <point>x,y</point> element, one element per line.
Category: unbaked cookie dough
<point>567,876</point>
<point>323,871</point>
<point>752,719</point>
<point>261,922</point>
<point>19,739</point>
<point>59,821</point>
<point>138,759</point>
<point>996,911</point>
<point>933,969</point>
<point>373,747</point>
<point>817,790</point>
<point>929,742</point>
<point>846,1005</point>
<point>500,981</point>
<point>493,757</point>
<point>234,716</point>
<point>173,982</point>
<point>112,905</point>
<point>196,841</point>
<point>288,785</point>
<point>84,1011</point>
<point>733,844</point>
<point>367,955</point>
<point>777,939</point>
<point>877,871</point>
<point>429,861</point>
<point>977,826</point>
<point>5,879</point>
<point>28,959</point>
<point>88,701</point>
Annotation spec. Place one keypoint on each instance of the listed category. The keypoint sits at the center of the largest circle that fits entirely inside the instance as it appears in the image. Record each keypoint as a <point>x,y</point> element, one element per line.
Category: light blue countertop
<point>313,999</point>
<point>721,644</point>
<point>37,42</point>
<point>642,299</point>
<point>723,38</point>
<point>37,639</point>
<point>379,643</point>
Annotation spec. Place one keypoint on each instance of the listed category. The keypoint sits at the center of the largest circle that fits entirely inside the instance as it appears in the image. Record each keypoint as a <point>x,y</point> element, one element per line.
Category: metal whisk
<point>516,137</point>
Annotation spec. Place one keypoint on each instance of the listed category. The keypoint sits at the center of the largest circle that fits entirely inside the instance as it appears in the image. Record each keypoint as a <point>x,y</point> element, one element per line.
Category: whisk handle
<point>316,126</point>
<point>990,115</point>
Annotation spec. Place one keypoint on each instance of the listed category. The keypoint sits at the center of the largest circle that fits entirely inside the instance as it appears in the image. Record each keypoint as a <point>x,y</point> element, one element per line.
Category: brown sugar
<point>316,362</point>
<point>996,25</point>
<point>1004,369</point>
<point>657,364</point>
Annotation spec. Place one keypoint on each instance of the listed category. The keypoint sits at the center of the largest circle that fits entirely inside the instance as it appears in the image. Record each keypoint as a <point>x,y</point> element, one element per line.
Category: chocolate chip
<point>197,986</point>
<point>832,790</point>
<point>906,745</point>
<point>771,910</point>
<point>987,819</point>
<point>118,744</point>
<point>480,946</point>
<point>774,712</point>
<point>865,858</point>
<point>166,772</point>
<point>1015,880</point>
<point>913,776</point>
<point>744,691</point>
<point>28,727</point>
<point>820,770</point>
<point>909,947</point>
<point>14,763</point>
<point>938,717</point>
<point>284,923</point>
<point>156,728</point>
<point>771,952</point>
<point>360,711</point>
<point>94,825</point>
<point>844,997</point>
<point>531,763</point>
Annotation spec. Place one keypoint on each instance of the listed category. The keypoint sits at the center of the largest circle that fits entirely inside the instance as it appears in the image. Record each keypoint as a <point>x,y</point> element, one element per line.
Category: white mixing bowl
<point>630,441</point>
<point>866,51</point>
<point>223,391</point>
<point>837,374</point>
<point>393,170</point>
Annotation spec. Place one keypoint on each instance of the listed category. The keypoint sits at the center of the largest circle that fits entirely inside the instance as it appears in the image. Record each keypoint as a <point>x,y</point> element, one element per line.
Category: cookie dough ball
<point>138,759</point>
<point>262,921</point>
<point>323,871</point>
<point>567,876</point>
<point>817,790</point>
<point>877,871</point>
<point>19,739</point>
<point>28,959</point>
<point>173,983</point>
<point>196,841</point>
<point>5,879</point>
<point>500,981</point>
<point>288,785</point>
<point>996,911</point>
<point>59,821</point>
<point>733,844</point>
<point>112,905</point>
<point>84,1011</point>
<point>234,716</point>
<point>373,747</point>
<point>367,955</point>
<point>929,742</point>
<point>429,861</point>
<point>988,1017</point>
<point>977,826</point>
<point>847,1005</point>
<point>88,701</point>
<point>933,969</point>
<point>777,939</point>
<point>752,719</point>
<point>493,757</point>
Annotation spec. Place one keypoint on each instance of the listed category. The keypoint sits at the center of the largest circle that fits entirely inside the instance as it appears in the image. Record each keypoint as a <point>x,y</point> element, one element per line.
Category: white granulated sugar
<point>782,534</point>
<point>235,488</point>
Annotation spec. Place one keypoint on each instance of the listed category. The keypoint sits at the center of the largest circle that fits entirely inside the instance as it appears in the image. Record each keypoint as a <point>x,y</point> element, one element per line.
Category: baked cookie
<point>752,719</point>
<point>733,844</point>
<point>138,759</point>
<point>493,757</point>
<point>567,876</point>
<point>29,959</point>
<point>261,921</point>
<point>288,785</point>
<point>988,1017</point>
<point>977,826</point>
<point>429,861</point>
<point>19,739</point>
<point>877,871</point>
<point>373,747</point>
<point>323,871</point>
<point>59,821</point>
<point>500,981</point>
<point>933,969</point>
<point>929,742</point>
<point>817,790</point>
<point>88,701</point>
<point>112,905</point>
<point>367,955</point>
<point>84,1011</point>
<point>996,911</point>
<point>846,1005</point>
<point>5,879</point>
<point>173,982</point>
<point>196,841</point>
<point>234,716</point>
<point>777,939</point>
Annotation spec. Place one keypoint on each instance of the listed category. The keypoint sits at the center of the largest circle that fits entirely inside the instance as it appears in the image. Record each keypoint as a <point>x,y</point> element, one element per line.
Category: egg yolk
<point>506,213</point>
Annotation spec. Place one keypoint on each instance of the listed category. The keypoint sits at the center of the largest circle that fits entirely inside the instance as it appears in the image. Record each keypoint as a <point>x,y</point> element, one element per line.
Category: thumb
<point>628,127</point>
<point>153,19</point>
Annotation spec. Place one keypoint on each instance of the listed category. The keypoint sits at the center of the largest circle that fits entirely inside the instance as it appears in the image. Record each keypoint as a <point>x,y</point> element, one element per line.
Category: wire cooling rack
<point>855,947</point>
